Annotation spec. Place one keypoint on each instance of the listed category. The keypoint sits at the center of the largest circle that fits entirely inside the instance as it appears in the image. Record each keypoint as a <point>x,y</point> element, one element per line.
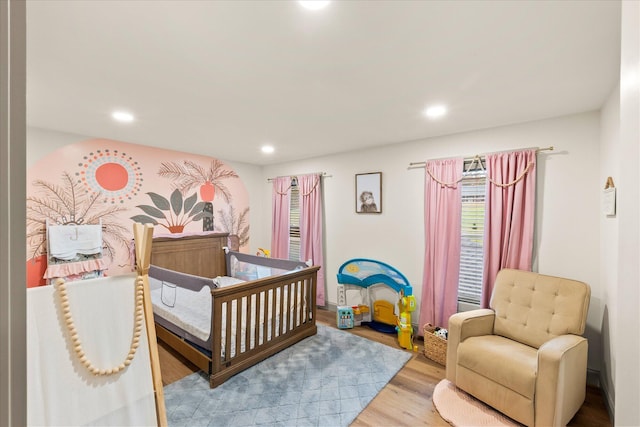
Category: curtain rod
<point>420,164</point>
<point>322,174</point>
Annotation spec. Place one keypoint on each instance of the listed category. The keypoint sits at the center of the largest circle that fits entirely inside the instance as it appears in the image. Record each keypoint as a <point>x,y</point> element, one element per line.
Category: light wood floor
<point>406,400</point>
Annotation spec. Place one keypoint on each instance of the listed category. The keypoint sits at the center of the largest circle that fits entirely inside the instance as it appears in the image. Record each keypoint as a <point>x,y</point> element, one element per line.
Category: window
<point>473,188</point>
<point>294,222</point>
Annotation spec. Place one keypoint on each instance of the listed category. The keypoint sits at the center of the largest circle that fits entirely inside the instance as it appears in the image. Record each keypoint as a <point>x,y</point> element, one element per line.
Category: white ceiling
<point>222,78</point>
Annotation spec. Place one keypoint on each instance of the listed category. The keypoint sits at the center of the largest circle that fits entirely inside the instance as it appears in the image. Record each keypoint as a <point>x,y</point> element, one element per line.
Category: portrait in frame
<point>369,192</point>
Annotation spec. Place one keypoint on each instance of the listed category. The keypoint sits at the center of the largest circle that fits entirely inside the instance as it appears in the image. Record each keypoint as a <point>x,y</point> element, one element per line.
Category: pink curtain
<point>280,217</point>
<point>442,241</point>
<point>310,187</point>
<point>509,215</point>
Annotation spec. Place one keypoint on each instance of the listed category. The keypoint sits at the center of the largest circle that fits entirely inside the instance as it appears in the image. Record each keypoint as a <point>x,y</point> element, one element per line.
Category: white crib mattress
<point>191,311</point>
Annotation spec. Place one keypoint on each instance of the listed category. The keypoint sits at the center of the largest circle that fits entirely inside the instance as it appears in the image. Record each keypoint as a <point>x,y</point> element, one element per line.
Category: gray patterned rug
<point>324,380</point>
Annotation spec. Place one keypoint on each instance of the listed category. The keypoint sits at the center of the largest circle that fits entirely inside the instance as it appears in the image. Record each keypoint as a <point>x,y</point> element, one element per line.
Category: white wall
<point>568,204</point>
<point>627,315</point>
<point>609,167</point>
<point>42,142</point>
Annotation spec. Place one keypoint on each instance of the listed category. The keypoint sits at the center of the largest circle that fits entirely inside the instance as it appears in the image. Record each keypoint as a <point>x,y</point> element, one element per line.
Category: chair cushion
<point>503,361</point>
<point>533,308</point>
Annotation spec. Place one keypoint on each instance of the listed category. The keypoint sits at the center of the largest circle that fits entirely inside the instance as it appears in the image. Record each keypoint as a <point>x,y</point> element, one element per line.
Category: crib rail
<point>251,321</point>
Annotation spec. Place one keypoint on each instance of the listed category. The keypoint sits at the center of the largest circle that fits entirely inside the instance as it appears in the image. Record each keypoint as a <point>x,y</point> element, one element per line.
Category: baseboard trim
<point>593,378</point>
<point>609,400</point>
<point>334,308</point>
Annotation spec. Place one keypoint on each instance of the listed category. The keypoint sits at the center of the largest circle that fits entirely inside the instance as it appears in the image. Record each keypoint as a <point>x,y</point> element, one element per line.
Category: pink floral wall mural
<point>116,183</point>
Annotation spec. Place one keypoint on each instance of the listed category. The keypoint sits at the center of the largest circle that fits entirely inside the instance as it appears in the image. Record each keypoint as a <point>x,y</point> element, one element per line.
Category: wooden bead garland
<point>76,343</point>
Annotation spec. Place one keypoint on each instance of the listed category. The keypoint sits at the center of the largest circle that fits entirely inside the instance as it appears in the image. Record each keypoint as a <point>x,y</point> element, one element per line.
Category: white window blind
<point>294,222</point>
<point>472,234</point>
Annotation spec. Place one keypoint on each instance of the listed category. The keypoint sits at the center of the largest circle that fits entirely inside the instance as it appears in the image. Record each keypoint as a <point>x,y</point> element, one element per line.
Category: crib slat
<point>301,303</point>
<point>305,306</point>
<point>264,303</point>
<point>283,320</point>
<point>238,340</point>
<point>310,296</point>
<point>247,332</point>
<point>313,283</point>
<point>256,321</point>
<point>293,306</point>
<point>272,318</point>
<point>299,306</point>
<point>227,335</point>
<point>216,330</point>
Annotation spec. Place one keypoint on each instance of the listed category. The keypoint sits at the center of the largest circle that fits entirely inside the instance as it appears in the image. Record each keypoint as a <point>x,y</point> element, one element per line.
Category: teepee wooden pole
<point>143,236</point>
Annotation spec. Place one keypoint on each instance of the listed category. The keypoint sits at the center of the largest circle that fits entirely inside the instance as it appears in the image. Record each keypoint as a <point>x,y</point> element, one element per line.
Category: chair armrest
<point>562,379</point>
<point>462,326</point>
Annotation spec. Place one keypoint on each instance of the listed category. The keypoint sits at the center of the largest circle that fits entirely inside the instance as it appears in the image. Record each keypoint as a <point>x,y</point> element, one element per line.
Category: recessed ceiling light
<point>122,116</point>
<point>435,111</point>
<point>314,4</point>
<point>267,149</point>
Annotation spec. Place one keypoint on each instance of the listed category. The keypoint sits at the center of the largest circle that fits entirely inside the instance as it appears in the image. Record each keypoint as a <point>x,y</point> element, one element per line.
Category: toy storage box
<point>344,317</point>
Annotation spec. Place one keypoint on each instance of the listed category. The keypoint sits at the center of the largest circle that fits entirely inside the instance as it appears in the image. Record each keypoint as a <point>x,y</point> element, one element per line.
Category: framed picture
<point>609,202</point>
<point>369,192</point>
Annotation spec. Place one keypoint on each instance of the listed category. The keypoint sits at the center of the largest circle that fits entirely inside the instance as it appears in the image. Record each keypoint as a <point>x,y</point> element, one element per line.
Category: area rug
<point>324,380</point>
<point>463,410</point>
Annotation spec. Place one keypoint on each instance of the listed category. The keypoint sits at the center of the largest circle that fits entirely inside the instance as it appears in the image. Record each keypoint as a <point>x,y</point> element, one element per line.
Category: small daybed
<point>272,301</point>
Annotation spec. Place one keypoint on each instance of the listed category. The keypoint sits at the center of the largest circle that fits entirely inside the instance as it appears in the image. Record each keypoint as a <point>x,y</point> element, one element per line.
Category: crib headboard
<point>198,254</point>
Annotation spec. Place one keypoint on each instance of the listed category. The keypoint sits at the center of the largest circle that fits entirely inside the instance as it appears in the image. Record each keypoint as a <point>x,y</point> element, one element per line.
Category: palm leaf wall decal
<point>173,213</point>
<point>151,211</point>
<point>189,175</point>
<point>171,170</point>
<point>235,225</point>
<point>161,202</point>
<point>190,202</point>
<point>69,203</point>
<point>89,205</point>
<point>144,219</point>
<point>197,170</point>
<point>176,201</point>
<point>199,208</point>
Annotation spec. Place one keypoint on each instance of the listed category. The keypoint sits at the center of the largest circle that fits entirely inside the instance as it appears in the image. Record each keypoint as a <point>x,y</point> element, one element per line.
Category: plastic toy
<point>406,305</point>
<point>383,312</point>
<point>359,311</point>
<point>345,317</point>
<point>441,332</point>
<point>263,252</point>
<point>366,273</point>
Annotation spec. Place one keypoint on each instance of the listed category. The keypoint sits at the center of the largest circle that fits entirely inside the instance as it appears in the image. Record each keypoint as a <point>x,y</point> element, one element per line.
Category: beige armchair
<point>524,356</point>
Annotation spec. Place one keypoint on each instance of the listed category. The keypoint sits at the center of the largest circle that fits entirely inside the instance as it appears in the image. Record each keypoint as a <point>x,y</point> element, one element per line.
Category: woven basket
<point>435,348</point>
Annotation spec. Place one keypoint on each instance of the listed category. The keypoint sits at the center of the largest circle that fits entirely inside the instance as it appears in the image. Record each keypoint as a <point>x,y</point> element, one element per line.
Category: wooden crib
<point>273,312</point>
